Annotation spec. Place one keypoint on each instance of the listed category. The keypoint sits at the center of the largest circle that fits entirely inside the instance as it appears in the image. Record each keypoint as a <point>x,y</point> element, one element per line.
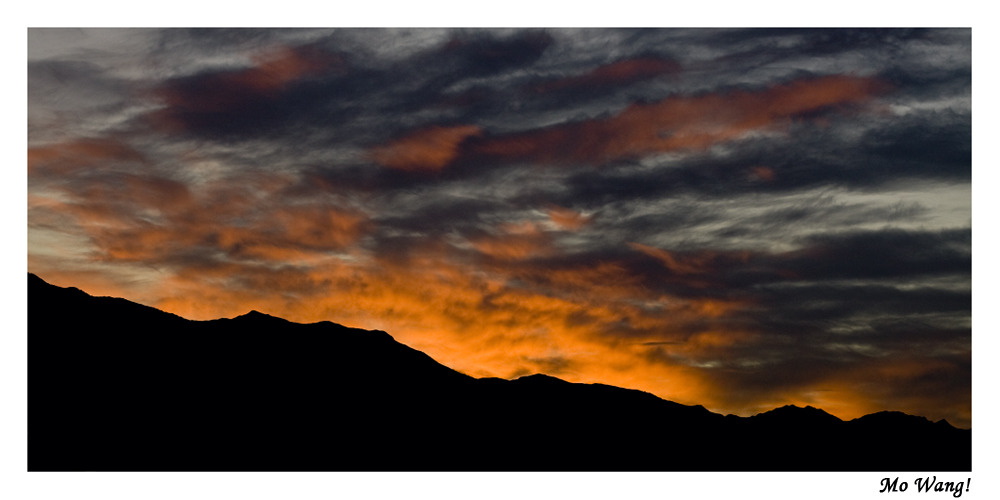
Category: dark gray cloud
<point>934,145</point>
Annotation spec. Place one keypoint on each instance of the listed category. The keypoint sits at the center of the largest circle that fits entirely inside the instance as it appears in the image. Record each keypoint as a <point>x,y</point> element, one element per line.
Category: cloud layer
<point>736,218</point>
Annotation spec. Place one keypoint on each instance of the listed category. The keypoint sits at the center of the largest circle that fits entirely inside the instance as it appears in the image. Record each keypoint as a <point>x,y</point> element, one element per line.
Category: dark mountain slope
<point>115,385</point>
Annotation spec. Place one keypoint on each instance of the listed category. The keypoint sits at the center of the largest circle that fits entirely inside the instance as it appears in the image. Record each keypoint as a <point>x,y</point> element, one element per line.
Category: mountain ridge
<point>166,393</point>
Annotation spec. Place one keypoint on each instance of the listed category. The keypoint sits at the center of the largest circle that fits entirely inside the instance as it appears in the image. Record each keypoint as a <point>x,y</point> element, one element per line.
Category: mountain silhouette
<point>118,386</point>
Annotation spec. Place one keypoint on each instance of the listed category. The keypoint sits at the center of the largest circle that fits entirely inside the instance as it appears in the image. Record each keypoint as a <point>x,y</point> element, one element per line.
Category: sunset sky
<point>741,219</point>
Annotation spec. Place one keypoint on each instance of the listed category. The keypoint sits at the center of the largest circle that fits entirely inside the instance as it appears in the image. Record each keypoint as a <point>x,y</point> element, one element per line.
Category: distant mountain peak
<point>796,413</point>
<point>541,378</point>
<point>944,423</point>
<point>256,315</point>
<point>896,417</point>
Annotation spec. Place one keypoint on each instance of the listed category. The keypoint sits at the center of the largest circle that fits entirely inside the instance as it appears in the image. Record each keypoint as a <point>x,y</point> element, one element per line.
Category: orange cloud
<point>284,65</point>
<point>675,123</point>
<point>430,149</point>
<point>668,259</point>
<point>152,219</point>
<point>762,173</point>
<point>64,157</point>
<point>277,236</point>
<point>680,123</point>
<point>567,219</point>
<point>319,226</point>
<point>515,241</point>
<point>227,91</point>
<point>701,262</point>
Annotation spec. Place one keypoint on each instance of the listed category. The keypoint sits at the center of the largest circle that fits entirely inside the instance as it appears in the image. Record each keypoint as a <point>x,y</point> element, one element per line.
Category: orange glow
<point>587,324</point>
<point>470,315</point>
<point>477,323</point>
<point>430,149</point>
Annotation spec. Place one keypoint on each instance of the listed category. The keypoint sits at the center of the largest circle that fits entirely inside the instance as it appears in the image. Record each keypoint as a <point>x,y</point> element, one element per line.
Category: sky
<point>737,218</point>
